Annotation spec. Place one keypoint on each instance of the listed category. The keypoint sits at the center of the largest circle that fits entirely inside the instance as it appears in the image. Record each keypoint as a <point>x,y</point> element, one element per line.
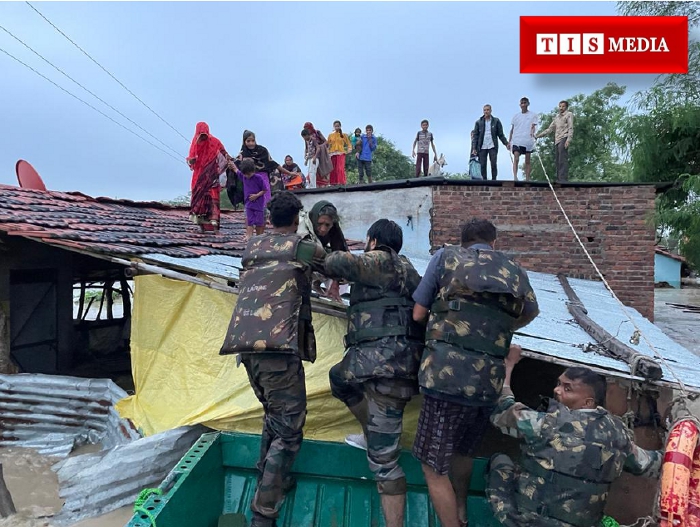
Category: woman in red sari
<point>207,159</point>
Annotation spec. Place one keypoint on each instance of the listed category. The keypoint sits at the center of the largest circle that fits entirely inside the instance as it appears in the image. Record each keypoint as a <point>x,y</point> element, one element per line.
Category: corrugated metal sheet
<point>94,484</point>
<point>213,264</point>
<point>52,414</point>
<point>554,333</point>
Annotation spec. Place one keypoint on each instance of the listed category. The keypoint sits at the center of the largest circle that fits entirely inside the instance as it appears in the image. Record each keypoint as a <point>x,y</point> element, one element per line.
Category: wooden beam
<point>645,366</point>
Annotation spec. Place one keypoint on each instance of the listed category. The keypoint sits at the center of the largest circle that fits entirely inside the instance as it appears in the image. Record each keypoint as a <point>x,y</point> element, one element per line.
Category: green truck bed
<point>216,479</point>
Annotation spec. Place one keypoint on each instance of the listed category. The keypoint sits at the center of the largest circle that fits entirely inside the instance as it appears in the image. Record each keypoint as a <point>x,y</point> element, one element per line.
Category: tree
<point>387,163</point>
<point>665,136</point>
<point>598,151</point>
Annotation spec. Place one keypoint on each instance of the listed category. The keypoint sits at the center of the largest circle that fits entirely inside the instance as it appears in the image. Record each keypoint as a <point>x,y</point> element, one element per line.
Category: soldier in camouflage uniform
<point>377,376</point>
<point>271,330</point>
<point>571,454</point>
<point>476,298</point>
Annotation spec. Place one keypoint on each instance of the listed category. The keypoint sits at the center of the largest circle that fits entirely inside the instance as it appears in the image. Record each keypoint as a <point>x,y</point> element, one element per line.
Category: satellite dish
<point>28,177</point>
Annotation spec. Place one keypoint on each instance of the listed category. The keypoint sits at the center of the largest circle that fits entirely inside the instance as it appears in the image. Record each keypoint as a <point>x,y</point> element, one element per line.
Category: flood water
<point>681,326</point>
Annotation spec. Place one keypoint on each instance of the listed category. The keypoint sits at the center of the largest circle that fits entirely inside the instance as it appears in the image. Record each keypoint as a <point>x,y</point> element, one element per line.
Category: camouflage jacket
<point>570,458</point>
<point>483,297</point>
<point>273,311</point>
<point>382,338</point>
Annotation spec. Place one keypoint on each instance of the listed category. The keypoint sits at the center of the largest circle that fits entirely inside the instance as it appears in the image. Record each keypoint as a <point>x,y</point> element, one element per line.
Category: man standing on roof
<point>571,454</point>
<point>487,131</point>
<point>563,127</point>
<point>476,298</point>
<point>271,330</point>
<point>522,137</point>
<point>377,376</point>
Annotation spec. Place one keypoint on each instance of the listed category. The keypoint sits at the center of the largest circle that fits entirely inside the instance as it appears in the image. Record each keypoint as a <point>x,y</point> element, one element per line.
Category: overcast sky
<point>267,67</point>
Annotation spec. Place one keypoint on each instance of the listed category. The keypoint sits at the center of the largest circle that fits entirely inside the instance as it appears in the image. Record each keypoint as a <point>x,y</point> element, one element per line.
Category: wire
<point>107,72</point>
<point>179,160</point>
<point>607,285</point>
<point>86,89</point>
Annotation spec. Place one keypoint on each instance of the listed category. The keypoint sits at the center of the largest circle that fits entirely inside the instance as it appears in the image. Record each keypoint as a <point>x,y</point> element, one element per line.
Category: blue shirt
<point>427,290</point>
<point>369,145</point>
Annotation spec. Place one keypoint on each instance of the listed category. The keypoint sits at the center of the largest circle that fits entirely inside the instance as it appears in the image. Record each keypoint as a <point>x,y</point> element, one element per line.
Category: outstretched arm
<point>513,418</point>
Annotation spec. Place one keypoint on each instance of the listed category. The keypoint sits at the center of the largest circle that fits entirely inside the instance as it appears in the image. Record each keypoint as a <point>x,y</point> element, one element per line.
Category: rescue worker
<point>377,376</point>
<point>271,331</point>
<point>570,454</point>
<point>476,298</point>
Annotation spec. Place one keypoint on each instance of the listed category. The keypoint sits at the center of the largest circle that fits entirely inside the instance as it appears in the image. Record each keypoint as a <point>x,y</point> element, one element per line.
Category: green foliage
<point>665,135</point>
<point>683,216</point>
<point>96,295</point>
<point>179,201</point>
<point>598,150</point>
<point>387,163</point>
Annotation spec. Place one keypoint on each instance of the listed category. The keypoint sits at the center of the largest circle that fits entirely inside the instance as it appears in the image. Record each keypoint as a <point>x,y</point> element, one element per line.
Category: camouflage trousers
<point>279,384</point>
<point>386,400</point>
<point>501,482</point>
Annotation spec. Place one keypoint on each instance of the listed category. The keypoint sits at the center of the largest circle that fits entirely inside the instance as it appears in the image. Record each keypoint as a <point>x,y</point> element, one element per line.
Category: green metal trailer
<point>213,484</point>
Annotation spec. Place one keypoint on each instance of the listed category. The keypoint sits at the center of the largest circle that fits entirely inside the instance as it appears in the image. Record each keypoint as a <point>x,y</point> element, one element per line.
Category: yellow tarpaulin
<point>180,378</point>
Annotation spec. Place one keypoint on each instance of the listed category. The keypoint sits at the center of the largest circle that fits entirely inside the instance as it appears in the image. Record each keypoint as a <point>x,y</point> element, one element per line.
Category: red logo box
<point>603,44</point>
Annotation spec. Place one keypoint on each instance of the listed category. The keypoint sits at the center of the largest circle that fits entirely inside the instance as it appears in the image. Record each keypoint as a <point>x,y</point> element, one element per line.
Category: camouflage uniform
<point>271,330</point>
<point>383,349</point>
<point>570,458</point>
<point>481,295</point>
<point>477,298</point>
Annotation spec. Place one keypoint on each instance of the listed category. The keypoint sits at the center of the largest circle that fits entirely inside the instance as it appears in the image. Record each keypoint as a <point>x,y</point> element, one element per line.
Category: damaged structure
<point>178,287</point>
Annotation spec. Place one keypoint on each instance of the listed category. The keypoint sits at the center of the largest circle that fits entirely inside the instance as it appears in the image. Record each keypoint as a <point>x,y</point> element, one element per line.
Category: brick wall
<point>612,222</point>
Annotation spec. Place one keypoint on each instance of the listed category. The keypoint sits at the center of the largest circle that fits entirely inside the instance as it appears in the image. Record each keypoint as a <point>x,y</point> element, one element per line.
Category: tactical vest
<point>578,455</point>
<point>461,315</point>
<point>273,311</point>
<point>377,312</point>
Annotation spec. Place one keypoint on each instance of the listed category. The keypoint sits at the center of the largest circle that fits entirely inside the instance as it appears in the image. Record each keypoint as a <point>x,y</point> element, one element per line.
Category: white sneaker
<point>357,441</point>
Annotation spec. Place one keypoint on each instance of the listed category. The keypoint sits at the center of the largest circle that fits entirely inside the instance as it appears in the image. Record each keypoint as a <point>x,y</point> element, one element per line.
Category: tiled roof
<point>115,227</point>
<point>665,252</point>
<point>111,226</point>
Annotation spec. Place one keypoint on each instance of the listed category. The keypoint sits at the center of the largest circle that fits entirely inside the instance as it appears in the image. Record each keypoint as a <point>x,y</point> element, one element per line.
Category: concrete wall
<point>409,207</point>
<point>667,270</point>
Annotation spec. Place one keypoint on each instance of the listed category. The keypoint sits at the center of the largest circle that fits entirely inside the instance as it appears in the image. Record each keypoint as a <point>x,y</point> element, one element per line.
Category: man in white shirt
<point>522,137</point>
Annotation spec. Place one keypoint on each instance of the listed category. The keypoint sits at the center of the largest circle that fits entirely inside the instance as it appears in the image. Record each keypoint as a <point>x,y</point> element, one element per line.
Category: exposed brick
<point>612,223</point>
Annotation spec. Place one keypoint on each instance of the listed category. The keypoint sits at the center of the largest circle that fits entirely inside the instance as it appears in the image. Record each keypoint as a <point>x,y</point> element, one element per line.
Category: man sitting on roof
<point>571,454</point>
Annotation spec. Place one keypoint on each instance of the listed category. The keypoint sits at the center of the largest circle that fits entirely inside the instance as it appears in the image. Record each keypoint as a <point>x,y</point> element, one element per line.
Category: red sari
<point>207,160</point>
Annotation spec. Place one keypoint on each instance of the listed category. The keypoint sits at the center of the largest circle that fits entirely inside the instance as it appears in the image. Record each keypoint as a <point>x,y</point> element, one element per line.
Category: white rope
<point>607,285</point>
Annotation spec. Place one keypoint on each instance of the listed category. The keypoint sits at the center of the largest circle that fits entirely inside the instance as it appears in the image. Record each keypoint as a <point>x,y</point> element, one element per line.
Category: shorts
<point>446,428</point>
<point>254,217</point>
<point>521,149</point>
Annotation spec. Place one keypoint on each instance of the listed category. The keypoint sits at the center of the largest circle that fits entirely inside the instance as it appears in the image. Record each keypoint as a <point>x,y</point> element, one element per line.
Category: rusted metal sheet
<point>53,414</point>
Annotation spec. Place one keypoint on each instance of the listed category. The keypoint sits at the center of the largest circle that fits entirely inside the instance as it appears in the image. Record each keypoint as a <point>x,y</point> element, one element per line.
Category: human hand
<point>413,154</point>
<point>473,152</point>
<point>514,356</point>
<point>566,145</point>
<point>333,291</point>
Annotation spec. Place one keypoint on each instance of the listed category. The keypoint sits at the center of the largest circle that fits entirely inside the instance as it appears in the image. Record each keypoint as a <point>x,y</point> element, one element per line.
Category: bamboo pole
<point>639,363</point>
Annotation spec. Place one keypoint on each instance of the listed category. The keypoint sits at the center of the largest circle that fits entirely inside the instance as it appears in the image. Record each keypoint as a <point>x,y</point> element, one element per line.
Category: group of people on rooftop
<point>447,336</point>
<point>253,174</point>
